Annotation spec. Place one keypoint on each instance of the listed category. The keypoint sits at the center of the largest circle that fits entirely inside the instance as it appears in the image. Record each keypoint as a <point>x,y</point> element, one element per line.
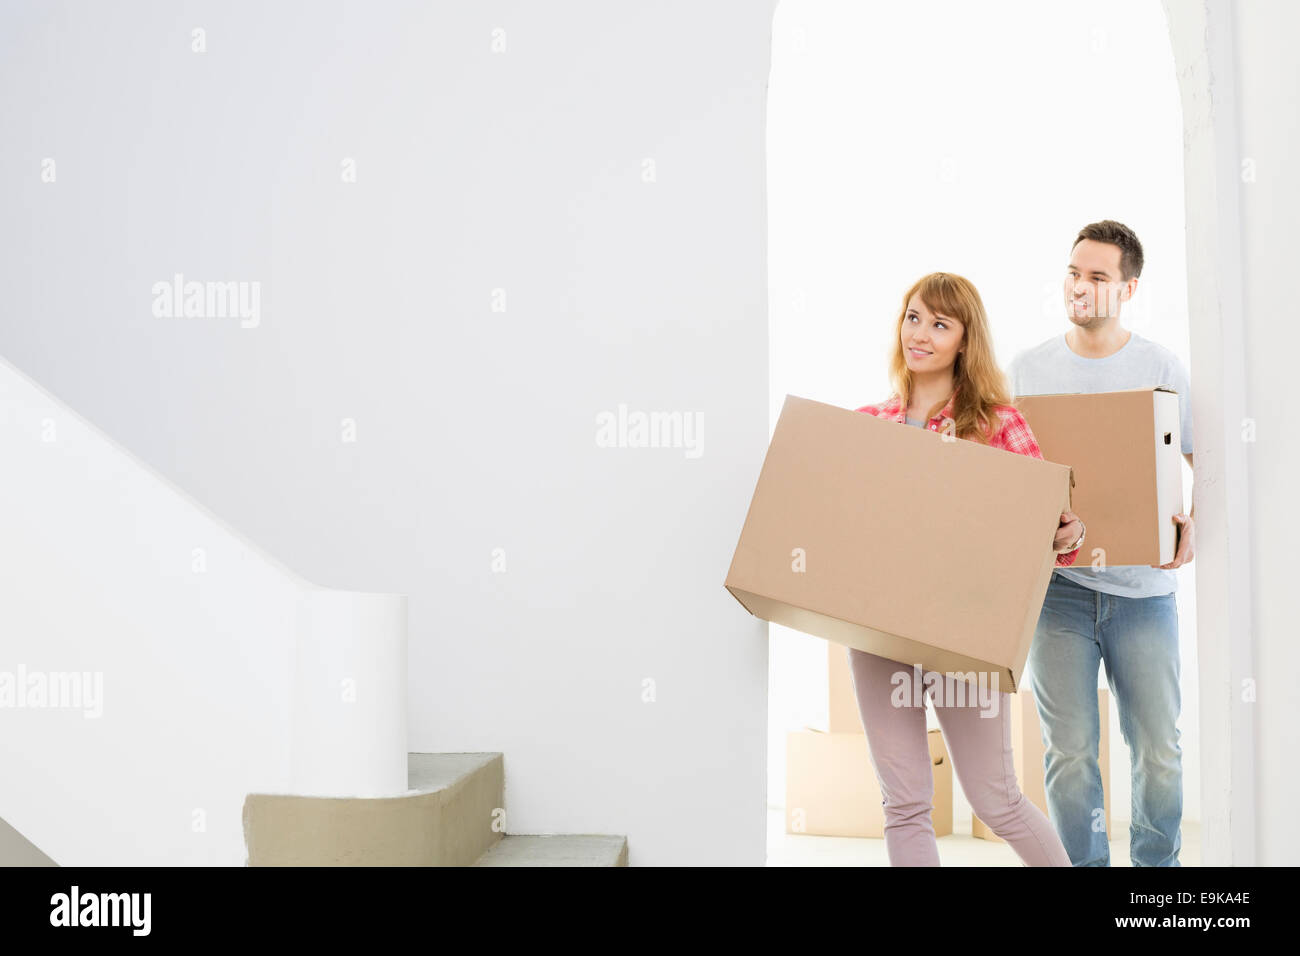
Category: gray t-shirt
<point>1054,368</point>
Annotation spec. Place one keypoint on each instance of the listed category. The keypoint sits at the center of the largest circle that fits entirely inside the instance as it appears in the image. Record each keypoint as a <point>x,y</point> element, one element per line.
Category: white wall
<point>524,171</point>
<point>1239,89</point>
<point>1268,87</point>
<point>911,138</point>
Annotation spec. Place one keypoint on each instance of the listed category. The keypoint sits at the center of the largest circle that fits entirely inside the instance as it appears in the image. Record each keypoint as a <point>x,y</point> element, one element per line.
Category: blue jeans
<point>1137,638</point>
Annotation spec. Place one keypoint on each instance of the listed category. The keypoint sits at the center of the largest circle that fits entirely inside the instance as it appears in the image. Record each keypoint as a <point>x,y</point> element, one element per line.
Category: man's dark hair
<point>1117,234</point>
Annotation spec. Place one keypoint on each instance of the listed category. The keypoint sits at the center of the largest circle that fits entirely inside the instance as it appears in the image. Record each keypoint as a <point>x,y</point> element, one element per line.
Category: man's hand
<point>1186,542</point>
<point>1068,532</point>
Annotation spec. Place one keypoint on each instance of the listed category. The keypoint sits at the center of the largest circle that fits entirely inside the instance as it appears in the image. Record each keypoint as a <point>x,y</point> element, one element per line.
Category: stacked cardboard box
<point>830,785</point>
<point>1027,742</point>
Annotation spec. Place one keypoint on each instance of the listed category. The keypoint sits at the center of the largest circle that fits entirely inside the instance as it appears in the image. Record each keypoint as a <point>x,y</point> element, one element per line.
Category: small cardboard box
<point>831,787</point>
<point>1126,452</point>
<point>913,545</point>
<point>1027,744</point>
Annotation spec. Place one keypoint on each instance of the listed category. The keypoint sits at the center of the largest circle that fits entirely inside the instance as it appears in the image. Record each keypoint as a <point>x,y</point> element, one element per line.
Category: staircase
<point>453,814</point>
<point>147,646</point>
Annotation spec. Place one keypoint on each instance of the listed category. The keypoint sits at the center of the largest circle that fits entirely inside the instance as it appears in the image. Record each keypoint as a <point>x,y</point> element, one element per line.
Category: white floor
<point>959,849</point>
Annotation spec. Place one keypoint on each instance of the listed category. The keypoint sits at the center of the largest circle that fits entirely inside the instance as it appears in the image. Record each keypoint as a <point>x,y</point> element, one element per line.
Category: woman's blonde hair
<point>978,382</point>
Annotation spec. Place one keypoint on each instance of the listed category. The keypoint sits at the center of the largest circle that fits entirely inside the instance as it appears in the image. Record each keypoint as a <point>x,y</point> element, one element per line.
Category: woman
<point>945,379</point>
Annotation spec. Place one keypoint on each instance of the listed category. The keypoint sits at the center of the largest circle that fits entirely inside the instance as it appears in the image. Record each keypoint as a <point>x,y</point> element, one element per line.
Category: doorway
<point>910,138</point>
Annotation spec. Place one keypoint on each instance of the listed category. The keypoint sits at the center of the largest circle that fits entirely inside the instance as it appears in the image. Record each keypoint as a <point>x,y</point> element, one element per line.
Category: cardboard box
<point>1126,452</point>
<point>831,787</point>
<point>907,543</point>
<point>1027,743</point>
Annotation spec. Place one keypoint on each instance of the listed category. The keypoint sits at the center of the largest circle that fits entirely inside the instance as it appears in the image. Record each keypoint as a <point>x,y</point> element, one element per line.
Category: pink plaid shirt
<point>1014,435</point>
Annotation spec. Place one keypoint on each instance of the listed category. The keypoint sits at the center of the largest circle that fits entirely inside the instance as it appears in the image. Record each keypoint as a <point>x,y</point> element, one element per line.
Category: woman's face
<point>930,341</point>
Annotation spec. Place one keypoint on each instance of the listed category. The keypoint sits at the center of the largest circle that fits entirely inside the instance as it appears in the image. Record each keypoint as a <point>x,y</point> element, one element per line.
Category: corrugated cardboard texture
<point>923,550</point>
<point>1124,448</point>
<point>831,787</point>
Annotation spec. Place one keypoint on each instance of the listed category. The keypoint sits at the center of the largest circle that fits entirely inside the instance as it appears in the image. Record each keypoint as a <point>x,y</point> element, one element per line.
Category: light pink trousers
<point>980,749</point>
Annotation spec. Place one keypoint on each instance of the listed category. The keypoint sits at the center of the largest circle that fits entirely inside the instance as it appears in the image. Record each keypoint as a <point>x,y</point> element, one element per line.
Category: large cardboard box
<point>831,787</point>
<point>910,544</point>
<point>1027,743</point>
<point>1126,452</point>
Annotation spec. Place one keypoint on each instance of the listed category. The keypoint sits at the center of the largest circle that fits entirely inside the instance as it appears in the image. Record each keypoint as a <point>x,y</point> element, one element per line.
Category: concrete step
<point>444,819</point>
<point>560,849</point>
<point>17,850</point>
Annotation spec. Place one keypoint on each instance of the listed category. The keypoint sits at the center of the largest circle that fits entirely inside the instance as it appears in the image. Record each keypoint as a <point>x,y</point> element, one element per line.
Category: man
<point>1126,616</point>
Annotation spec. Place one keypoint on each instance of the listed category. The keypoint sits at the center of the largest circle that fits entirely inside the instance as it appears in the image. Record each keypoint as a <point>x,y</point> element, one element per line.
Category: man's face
<point>1093,286</point>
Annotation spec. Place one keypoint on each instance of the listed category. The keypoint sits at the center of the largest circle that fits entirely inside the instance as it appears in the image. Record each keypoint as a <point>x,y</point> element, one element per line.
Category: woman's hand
<point>1068,532</point>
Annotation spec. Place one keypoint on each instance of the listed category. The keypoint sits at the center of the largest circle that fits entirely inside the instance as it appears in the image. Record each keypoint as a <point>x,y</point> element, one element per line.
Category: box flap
<point>1118,391</point>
